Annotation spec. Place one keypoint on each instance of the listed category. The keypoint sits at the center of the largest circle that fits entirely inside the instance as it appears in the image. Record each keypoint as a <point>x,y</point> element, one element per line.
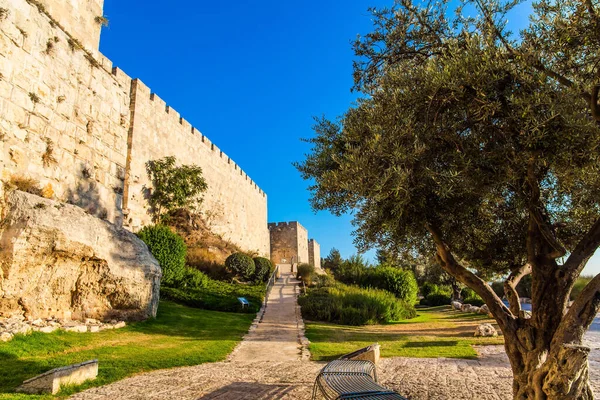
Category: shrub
<point>351,305</point>
<point>24,184</point>
<point>436,299</point>
<point>470,297</point>
<point>263,269</point>
<point>241,265</point>
<point>401,283</point>
<point>579,285</point>
<point>325,280</point>
<point>351,271</point>
<point>306,273</point>
<point>429,288</point>
<point>169,250</point>
<point>192,278</point>
<point>498,288</point>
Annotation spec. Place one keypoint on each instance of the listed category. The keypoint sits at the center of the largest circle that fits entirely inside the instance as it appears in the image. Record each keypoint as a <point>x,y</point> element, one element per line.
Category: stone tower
<point>314,253</point>
<point>289,243</point>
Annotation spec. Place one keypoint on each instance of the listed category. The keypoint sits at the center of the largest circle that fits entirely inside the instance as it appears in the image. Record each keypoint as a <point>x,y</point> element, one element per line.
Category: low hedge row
<point>351,305</point>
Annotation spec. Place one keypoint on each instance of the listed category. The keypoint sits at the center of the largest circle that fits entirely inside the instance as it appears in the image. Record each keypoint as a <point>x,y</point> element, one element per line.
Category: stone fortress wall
<point>84,129</point>
<point>290,244</point>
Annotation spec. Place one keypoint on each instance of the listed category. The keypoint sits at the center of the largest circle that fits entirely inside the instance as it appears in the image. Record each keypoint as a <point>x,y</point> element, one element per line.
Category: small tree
<point>241,265</point>
<point>333,260</point>
<point>173,186</point>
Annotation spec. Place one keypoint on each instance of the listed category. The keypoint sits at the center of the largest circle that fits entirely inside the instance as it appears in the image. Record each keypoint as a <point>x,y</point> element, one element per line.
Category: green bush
<point>397,281</point>
<point>351,271</point>
<point>306,272</point>
<point>241,265</point>
<point>429,288</point>
<point>192,278</point>
<point>350,305</point>
<point>169,250</point>
<point>580,283</point>
<point>263,269</point>
<point>436,299</point>
<point>474,301</point>
<point>498,288</point>
<point>325,280</point>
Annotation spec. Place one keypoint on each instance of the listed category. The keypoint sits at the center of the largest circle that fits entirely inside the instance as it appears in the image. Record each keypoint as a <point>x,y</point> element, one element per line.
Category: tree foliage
<point>173,186</point>
<point>482,147</point>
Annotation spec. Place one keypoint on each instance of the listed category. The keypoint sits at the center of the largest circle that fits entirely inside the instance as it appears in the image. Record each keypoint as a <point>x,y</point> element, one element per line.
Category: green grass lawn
<point>179,336</point>
<point>435,332</point>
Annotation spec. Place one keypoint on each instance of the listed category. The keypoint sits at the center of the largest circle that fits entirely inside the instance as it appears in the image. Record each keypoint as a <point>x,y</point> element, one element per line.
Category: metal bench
<point>351,379</point>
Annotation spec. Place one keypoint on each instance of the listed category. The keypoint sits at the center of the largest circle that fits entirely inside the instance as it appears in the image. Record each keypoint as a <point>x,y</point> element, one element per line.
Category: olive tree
<point>482,146</point>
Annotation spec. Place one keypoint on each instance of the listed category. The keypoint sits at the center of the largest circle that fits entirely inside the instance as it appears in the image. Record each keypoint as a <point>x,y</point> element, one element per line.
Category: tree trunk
<point>563,374</point>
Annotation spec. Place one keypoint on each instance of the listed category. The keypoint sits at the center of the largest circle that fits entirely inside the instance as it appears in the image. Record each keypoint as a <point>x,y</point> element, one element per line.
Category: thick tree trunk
<point>559,374</point>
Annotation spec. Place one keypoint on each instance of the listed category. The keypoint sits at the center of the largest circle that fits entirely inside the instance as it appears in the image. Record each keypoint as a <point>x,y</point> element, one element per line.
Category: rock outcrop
<point>485,330</point>
<point>57,261</point>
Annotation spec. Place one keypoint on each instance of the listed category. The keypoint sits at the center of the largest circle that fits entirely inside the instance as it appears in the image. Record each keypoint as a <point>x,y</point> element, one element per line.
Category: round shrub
<point>263,268</point>
<point>474,301</point>
<point>306,273</point>
<point>429,288</point>
<point>169,250</point>
<point>241,264</point>
<point>401,283</point>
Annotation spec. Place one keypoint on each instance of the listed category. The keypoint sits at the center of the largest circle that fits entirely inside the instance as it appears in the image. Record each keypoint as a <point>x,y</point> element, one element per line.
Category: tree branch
<point>584,250</point>
<point>503,315</point>
<point>510,287</point>
<point>581,314</point>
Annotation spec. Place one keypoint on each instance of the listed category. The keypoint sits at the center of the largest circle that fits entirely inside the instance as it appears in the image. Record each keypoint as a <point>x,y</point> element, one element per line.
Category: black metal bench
<point>351,379</point>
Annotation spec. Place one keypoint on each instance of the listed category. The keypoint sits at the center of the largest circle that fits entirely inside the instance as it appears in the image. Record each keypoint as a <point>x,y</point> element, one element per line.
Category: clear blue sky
<point>250,76</point>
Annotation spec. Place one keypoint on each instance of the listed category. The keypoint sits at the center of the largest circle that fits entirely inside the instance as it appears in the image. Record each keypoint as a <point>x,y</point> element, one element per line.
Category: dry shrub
<point>48,191</point>
<point>24,184</point>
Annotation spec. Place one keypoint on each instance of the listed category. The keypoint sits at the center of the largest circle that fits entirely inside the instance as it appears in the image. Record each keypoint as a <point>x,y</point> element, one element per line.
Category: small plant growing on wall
<point>173,187</point>
<point>48,156</point>
<point>3,13</point>
<point>34,98</point>
<point>101,20</point>
<point>24,184</point>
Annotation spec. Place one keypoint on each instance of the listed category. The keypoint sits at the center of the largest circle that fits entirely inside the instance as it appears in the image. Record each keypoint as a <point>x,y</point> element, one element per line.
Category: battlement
<point>166,117</point>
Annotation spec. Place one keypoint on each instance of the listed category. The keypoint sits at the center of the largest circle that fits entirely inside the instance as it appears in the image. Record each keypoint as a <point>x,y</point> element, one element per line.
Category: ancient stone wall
<point>69,120</point>
<point>64,116</point>
<point>289,243</point>
<point>81,18</point>
<point>234,206</point>
<point>314,253</point>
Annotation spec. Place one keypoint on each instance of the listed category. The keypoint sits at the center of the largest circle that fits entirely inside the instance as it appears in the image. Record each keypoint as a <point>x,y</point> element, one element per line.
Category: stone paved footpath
<point>268,364</point>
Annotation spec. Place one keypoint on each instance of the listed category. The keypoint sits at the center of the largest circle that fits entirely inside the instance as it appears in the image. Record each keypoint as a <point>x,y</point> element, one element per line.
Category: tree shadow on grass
<point>432,343</point>
<point>14,370</point>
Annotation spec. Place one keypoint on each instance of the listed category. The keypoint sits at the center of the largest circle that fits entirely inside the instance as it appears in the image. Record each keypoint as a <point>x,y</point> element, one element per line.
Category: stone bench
<point>51,381</point>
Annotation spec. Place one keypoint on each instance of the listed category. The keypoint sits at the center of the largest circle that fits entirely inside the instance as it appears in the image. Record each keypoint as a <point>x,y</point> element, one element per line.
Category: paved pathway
<point>277,337</point>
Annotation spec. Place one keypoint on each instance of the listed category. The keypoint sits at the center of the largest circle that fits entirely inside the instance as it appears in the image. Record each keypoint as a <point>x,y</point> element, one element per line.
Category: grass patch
<point>435,332</point>
<point>179,336</point>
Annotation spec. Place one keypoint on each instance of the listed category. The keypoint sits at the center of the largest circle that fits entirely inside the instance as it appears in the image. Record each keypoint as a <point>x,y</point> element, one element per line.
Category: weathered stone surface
<point>457,305</point>
<point>5,336</point>
<point>51,381</point>
<point>473,309</point>
<point>371,353</point>
<point>484,309</point>
<point>485,330</point>
<point>465,307</point>
<point>58,260</point>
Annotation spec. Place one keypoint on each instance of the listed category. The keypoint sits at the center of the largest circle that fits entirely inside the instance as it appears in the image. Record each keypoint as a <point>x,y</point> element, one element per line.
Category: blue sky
<point>250,76</point>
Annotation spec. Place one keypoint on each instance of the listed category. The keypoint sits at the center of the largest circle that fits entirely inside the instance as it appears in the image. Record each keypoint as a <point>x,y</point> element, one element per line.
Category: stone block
<point>370,353</point>
<point>51,381</point>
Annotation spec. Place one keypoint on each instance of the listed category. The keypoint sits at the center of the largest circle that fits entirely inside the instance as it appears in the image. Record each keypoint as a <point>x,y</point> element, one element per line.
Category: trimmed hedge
<point>169,250</point>
<point>241,265</point>
<point>263,269</point>
<point>350,305</point>
<point>436,299</point>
